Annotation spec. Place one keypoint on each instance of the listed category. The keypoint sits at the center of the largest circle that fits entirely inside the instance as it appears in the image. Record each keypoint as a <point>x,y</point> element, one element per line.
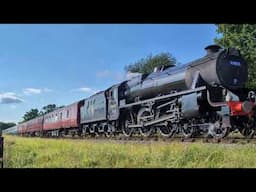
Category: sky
<point>60,64</point>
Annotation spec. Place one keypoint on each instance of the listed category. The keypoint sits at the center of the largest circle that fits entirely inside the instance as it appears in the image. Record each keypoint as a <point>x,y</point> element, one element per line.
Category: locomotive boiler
<point>218,67</point>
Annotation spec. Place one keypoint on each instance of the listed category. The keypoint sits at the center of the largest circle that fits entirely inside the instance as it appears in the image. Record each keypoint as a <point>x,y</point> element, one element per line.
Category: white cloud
<point>86,90</point>
<point>47,90</point>
<point>31,91</point>
<point>116,75</point>
<point>9,97</point>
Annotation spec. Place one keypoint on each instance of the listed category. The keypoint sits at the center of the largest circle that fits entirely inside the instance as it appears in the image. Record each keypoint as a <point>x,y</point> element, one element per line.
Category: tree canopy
<point>147,65</point>
<point>48,108</point>
<point>242,37</point>
<point>4,125</point>
<point>33,113</point>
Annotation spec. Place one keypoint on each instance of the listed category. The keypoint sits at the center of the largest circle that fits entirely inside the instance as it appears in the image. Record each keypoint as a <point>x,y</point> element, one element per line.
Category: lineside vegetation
<point>66,153</point>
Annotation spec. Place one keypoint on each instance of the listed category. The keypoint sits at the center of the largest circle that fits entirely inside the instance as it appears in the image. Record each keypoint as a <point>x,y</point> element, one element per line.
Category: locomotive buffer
<point>1,149</point>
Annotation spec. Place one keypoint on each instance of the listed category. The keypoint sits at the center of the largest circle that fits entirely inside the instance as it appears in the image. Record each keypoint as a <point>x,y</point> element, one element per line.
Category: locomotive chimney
<point>212,49</point>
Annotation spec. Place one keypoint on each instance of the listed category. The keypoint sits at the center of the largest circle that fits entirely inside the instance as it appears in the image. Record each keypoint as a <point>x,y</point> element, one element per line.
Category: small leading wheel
<point>188,130</point>
<point>168,131</point>
<point>217,129</point>
<point>247,133</point>
<point>248,128</point>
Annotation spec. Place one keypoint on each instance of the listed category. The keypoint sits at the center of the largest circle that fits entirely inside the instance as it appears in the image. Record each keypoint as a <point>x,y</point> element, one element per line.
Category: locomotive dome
<point>212,49</point>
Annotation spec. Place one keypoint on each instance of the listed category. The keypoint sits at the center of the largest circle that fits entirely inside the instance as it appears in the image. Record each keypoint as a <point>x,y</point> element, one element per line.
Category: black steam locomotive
<point>206,97</point>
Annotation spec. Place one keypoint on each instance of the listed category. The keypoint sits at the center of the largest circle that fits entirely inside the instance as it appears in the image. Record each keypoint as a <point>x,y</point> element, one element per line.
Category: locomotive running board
<point>151,122</point>
<point>164,97</point>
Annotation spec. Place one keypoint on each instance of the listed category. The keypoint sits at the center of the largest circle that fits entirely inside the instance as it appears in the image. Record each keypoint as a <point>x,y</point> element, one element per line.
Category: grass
<point>64,153</point>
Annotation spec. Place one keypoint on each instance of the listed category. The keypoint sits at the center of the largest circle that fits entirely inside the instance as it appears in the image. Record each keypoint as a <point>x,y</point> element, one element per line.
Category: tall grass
<point>63,153</point>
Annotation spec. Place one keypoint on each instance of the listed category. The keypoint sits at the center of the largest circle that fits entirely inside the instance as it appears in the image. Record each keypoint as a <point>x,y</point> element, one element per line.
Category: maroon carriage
<point>35,126</point>
<point>22,128</point>
<point>63,120</point>
<point>32,127</point>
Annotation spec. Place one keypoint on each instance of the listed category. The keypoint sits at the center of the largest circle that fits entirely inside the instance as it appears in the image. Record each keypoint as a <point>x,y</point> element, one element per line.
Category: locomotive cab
<point>113,102</point>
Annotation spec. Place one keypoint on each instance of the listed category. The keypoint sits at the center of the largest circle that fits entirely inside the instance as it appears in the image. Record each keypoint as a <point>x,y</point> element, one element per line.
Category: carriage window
<point>61,115</point>
<point>67,113</point>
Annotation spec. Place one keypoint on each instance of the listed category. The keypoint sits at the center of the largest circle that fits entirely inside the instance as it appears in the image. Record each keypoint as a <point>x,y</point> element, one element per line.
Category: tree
<point>49,108</point>
<point>4,125</point>
<point>147,65</point>
<point>33,113</point>
<point>242,37</point>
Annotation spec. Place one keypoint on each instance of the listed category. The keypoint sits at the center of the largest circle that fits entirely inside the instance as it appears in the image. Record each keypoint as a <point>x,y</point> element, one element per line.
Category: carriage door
<point>113,108</point>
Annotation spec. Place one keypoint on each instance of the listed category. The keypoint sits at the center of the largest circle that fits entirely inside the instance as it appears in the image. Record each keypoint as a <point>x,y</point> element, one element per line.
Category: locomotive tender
<point>205,97</point>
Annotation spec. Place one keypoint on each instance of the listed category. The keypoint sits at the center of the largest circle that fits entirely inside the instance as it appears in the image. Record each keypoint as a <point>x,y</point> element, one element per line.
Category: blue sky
<point>54,63</point>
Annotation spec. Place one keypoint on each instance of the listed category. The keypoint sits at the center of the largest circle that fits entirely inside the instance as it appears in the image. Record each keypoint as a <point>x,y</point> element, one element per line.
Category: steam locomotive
<point>206,97</point>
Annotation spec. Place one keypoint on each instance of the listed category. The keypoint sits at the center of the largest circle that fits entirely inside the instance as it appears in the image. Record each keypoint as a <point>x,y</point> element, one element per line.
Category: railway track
<point>232,139</point>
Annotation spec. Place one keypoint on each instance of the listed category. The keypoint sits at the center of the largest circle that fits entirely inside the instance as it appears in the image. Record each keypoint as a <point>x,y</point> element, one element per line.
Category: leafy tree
<point>4,125</point>
<point>33,113</point>
<point>49,108</point>
<point>147,65</point>
<point>242,37</point>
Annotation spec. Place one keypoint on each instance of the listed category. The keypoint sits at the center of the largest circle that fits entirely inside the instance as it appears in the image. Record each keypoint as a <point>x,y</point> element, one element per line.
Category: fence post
<point>1,149</point>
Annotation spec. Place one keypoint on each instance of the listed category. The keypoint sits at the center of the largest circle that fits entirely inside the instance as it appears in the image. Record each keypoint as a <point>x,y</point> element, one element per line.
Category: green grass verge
<point>63,153</point>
